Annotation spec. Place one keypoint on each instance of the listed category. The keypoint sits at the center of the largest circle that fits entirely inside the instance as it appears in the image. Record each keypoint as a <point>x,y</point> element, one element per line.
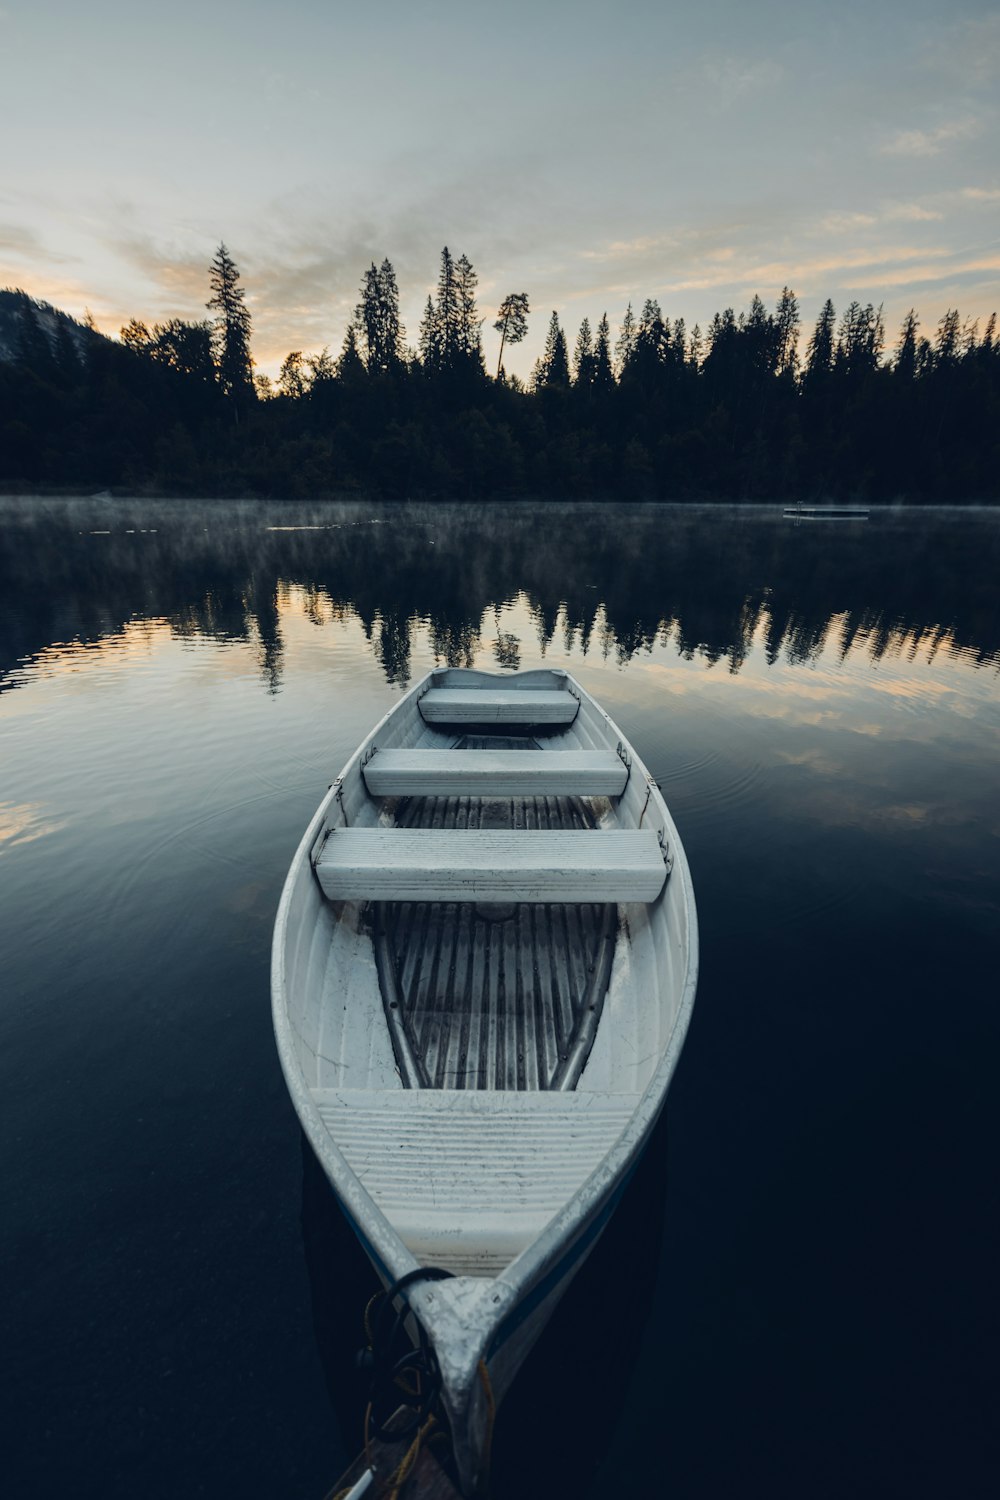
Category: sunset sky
<point>585,152</point>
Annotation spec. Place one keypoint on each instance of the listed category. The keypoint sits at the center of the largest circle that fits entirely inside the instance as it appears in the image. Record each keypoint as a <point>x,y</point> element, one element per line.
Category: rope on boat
<point>411,1379</point>
<point>412,1375</point>
<point>409,1459</point>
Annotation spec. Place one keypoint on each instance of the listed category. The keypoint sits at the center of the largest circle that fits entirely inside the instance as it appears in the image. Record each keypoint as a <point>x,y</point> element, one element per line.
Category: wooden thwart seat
<point>495,773</point>
<point>482,706</point>
<point>406,864</point>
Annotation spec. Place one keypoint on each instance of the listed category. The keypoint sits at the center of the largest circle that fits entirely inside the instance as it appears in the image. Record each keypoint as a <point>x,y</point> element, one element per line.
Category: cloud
<point>690,268</point>
<point>802,271</point>
<point>19,241</point>
<point>981,194</point>
<point>913,213</point>
<point>625,249</point>
<point>843,222</point>
<point>931,142</point>
<point>912,275</point>
<point>23,244</point>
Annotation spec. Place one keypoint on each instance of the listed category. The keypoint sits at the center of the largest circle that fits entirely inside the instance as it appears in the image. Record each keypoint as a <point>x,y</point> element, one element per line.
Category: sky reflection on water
<point>823,707</point>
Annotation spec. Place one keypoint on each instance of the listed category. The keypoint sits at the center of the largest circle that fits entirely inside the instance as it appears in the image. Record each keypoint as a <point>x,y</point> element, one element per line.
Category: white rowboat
<point>485,959</point>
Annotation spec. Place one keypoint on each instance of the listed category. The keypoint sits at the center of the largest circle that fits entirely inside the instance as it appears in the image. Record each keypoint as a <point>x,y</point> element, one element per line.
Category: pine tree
<point>759,338</point>
<point>604,375</point>
<point>678,342</point>
<point>583,358</point>
<point>232,330</point>
<point>377,318</point>
<point>860,340</point>
<point>652,326</point>
<point>367,317</point>
<point>429,343</point>
<point>446,313</point>
<point>906,349</point>
<point>553,367</point>
<point>650,347</point>
<point>468,341</point>
<point>349,367</point>
<point>786,334</point>
<point>819,355</point>
<point>946,343</point>
<point>511,322</point>
<point>625,347</point>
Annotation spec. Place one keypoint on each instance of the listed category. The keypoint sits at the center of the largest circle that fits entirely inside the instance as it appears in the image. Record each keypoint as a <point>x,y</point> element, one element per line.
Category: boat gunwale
<point>383,1244</point>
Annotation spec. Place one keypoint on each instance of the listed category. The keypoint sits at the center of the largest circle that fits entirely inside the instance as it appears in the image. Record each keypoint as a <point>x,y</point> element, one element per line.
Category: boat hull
<point>484,1321</point>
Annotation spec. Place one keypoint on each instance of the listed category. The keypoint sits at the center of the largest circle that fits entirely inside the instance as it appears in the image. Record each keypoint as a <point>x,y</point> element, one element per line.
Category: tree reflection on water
<point>617,579</point>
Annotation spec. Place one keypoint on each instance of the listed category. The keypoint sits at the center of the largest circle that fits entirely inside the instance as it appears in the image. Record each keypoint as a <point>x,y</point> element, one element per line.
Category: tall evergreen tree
<point>553,367</point>
<point>447,313</point>
<point>946,345</point>
<point>906,348</point>
<point>377,318</point>
<point>583,358</point>
<point>428,342</point>
<point>860,340</point>
<point>511,322</point>
<point>678,342</point>
<point>786,334</point>
<point>349,366</point>
<point>232,330</point>
<point>758,339</point>
<point>819,356</point>
<point>650,348</point>
<point>469,342</point>
<point>604,374</point>
<point>625,346</point>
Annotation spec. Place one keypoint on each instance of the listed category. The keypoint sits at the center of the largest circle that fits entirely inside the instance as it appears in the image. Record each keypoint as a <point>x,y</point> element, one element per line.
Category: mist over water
<point>796,1297</point>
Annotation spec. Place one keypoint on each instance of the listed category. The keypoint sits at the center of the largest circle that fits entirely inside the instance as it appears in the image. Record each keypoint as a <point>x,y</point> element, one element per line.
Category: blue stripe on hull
<point>559,1272</point>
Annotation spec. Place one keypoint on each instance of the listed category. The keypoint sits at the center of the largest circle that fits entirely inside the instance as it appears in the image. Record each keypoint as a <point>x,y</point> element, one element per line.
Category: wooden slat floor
<point>492,996</point>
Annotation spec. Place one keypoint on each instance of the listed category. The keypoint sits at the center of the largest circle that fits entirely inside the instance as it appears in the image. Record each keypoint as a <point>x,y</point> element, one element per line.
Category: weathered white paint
<point>485,864</point>
<point>331,1033</point>
<point>482,706</point>
<point>469,1181</point>
<point>495,773</point>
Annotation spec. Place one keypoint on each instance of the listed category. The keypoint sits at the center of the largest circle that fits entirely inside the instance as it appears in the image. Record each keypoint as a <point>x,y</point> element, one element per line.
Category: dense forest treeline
<point>659,412</point>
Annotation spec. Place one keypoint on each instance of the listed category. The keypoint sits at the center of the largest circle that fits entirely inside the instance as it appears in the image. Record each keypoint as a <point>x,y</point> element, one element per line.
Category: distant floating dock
<point>826,513</point>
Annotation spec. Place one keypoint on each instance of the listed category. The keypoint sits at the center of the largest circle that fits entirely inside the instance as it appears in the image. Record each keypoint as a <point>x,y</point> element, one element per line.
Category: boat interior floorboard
<point>498,995</point>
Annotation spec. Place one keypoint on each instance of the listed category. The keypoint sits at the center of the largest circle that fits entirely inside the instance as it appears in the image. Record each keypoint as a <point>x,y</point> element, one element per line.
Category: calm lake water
<point>797,1298</point>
